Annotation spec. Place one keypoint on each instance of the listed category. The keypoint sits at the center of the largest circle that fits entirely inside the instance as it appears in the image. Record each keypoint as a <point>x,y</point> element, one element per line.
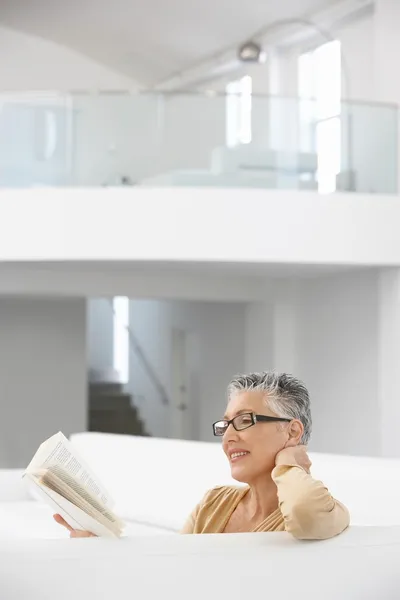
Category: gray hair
<point>286,396</point>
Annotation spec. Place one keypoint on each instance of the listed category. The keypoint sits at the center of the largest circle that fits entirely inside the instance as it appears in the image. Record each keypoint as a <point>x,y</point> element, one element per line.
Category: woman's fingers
<point>58,519</point>
<point>74,533</point>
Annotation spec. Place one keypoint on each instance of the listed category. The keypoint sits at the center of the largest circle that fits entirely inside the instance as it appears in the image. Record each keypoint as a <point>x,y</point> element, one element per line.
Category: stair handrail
<point>137,348</point>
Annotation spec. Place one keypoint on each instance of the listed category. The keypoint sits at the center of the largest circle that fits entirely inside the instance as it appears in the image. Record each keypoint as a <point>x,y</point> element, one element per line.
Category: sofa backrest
<point>160,481</point>
<point>368,486</point>
<point>152,480</point>
<point>12,486</point>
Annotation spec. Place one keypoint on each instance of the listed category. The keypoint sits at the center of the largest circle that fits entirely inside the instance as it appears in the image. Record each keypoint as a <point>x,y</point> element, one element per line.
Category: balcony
<point>193,139</point>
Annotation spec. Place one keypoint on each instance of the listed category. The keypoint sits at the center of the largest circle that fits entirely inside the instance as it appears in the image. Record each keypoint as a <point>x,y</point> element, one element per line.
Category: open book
<point>63,480</point>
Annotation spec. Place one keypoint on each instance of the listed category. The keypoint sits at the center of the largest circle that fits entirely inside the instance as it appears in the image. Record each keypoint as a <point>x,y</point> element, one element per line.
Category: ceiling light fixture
<point>251,52</point>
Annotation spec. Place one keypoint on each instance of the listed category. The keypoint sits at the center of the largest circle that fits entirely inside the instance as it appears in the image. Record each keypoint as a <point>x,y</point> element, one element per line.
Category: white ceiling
<point>149,41</point>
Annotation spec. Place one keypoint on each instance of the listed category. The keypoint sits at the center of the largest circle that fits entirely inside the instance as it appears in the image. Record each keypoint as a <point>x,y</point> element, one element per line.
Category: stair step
<point>110,401</point>
<point>106,387</point>
<point>112,421</point>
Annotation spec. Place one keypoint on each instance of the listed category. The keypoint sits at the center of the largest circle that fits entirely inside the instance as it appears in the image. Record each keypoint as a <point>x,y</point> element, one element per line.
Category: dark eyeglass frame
<point>254,419</point>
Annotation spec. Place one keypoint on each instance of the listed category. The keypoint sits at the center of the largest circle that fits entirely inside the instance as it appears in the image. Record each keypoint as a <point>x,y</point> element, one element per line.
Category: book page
<point>74,516</point>
<point>68,487</point>
<point>51,482</point>
<point>58,451</point>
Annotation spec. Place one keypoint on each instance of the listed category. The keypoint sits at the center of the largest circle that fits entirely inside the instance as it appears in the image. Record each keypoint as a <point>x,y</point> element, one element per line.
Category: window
<point>238,112</point>
<point>319,88</point>
<point>121,337</point>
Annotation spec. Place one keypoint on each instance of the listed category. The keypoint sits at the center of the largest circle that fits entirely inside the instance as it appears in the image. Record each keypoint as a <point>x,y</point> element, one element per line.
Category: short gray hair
<point>286,396</point>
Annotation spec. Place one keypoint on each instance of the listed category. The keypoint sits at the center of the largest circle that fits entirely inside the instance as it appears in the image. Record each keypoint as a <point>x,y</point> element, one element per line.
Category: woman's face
<point>260,443</point>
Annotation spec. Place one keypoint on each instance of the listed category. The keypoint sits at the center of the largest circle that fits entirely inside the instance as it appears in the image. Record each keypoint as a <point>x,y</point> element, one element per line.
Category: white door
<point>180,409</point>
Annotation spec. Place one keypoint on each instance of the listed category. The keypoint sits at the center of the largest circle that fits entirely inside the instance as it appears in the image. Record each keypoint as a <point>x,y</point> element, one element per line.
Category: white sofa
<point>156,483</point>
<point>180,472</point>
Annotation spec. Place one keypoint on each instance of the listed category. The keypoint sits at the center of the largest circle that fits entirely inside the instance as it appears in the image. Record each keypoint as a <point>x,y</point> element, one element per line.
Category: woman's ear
<point>295,432</point>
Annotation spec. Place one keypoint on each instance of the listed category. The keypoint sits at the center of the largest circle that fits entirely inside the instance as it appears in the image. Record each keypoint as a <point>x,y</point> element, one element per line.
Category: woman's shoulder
<point>210,512</point>
<point>222,493</point>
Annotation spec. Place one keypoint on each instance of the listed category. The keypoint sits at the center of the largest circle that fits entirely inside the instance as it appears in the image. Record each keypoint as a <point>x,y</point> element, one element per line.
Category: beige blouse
<point>306,508</point>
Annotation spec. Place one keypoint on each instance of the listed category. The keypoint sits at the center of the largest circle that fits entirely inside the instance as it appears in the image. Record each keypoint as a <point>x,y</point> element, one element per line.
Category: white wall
<point>42,373</point>
<point>337,356</point>
<point>216,352</point>
<point>206,225</point>
<point>324,330</point>
<point>389,359</point>
<point>339,334</point>
<point>32,63</point>
<point>386,49</point>
<point>373,126</point>
<point>357,40</point>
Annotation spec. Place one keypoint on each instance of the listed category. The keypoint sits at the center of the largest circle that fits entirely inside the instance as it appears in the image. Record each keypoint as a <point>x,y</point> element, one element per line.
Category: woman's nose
<point>231,433</point>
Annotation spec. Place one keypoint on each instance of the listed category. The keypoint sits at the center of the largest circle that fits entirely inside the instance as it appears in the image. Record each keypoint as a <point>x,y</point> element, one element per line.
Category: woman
<point>264,435</point>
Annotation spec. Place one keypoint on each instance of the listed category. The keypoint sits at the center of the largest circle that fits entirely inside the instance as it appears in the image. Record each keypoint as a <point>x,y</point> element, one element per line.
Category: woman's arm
<point>309,510</point>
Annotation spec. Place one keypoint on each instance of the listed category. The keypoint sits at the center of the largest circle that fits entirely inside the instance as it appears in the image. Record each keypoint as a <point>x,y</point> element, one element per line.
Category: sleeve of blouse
<point>191,520</point>
<point>308,509</point>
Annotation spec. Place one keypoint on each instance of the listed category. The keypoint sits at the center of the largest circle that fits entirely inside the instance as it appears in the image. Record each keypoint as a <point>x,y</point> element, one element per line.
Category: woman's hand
<point>295,455</point>
<point>73,533</point>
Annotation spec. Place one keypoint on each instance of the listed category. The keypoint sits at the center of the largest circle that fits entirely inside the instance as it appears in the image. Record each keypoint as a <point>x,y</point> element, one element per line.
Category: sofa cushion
<point>34,520</point>
<point>28,520</point>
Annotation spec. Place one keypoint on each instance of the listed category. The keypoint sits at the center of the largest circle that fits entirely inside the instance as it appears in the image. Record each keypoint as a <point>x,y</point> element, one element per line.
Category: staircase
<point>111,410</point>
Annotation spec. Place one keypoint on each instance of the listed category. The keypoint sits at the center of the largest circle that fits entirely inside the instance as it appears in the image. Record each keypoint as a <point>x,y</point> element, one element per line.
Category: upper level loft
<point>205,139</point>
<point>292,96</point>
<point>241,140</point>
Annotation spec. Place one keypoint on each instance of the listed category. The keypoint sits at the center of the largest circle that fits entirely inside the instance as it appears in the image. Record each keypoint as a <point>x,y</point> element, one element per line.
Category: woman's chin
<point>239,474</point>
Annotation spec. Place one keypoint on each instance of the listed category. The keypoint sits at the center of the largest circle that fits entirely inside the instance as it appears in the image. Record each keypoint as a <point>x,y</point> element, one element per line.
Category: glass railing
<point>193,139</point>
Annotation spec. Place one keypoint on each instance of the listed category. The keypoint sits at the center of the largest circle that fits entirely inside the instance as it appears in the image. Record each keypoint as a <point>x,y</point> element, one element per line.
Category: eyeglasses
<point>243,421</point>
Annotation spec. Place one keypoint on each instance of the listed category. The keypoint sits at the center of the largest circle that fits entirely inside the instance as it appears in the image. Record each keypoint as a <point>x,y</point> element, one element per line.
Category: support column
<point>43,373</point>
<point>283,102</point>
<point>259,341</point>
<point>389,361</point>
<point>285,336</point>
<point>271,331</point>
<point>285,326</point>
